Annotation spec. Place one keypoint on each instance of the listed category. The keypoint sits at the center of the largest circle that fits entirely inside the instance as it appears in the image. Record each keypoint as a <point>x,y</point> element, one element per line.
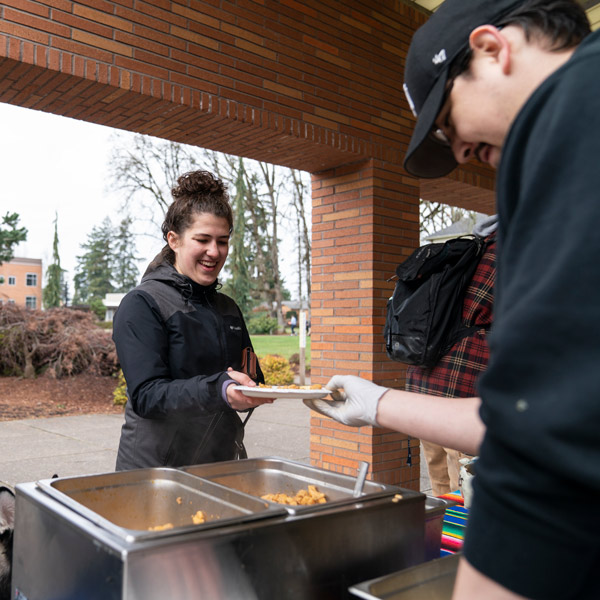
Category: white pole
<point>302,338</point>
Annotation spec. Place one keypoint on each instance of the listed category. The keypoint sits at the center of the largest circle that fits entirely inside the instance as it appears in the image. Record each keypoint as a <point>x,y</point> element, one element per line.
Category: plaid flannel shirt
<point>455,375</point>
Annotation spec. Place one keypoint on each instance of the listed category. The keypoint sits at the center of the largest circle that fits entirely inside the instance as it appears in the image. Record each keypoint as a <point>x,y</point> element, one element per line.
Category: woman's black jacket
<point>175,340</point>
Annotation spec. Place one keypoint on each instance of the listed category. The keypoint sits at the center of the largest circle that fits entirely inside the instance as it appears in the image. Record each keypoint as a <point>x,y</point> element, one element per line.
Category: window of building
<point>31,279</point>
<point>11,301</point>
<point>12,280</point>
<point>30,302</point>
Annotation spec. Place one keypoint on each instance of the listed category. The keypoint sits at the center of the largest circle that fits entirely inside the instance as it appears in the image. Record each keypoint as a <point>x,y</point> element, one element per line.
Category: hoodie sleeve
<point>142,343</point>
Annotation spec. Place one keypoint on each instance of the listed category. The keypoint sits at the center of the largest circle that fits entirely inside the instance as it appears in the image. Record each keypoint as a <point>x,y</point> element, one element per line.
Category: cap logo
<point>440,57</point>
<point>411,104</point>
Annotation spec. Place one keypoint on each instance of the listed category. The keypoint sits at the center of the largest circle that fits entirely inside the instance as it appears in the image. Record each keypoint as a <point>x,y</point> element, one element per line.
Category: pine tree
<point>52,293</point>
<point>93,273</point>
<point>125,273</point>
<point>65,292</point>
<point>10,236</point>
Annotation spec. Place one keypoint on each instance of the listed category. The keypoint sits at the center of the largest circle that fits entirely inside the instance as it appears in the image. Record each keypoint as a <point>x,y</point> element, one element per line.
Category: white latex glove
<point>354,401</point>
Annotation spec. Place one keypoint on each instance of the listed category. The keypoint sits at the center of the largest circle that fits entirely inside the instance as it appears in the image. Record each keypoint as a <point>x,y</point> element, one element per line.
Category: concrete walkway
<point>33,449</point>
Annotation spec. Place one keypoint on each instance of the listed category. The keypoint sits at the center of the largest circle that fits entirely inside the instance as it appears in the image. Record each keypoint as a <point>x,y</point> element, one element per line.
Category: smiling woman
<point>197,227</point>
<point>182,344</point>
<point>200,251</point>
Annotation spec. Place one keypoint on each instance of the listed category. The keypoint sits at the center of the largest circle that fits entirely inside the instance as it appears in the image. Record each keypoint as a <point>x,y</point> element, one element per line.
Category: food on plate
<point>292,386</point>
<point>302,497</point>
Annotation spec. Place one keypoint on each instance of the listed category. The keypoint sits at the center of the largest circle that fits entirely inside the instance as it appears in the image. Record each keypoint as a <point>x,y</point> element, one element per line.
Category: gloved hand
<point>354,401</point>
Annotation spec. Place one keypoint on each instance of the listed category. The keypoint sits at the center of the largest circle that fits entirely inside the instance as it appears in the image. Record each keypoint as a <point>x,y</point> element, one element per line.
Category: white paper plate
<point>275,392</point>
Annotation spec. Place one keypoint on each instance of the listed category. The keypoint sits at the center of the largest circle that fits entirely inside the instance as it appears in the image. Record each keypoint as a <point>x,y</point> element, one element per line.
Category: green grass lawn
<point>284,345</point>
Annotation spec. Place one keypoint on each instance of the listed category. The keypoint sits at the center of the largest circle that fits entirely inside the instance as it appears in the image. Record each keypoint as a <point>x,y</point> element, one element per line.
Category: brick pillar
<point>365,220</point>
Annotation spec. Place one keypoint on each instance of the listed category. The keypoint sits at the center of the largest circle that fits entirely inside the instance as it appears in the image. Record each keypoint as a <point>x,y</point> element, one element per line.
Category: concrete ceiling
<point>592,7</point>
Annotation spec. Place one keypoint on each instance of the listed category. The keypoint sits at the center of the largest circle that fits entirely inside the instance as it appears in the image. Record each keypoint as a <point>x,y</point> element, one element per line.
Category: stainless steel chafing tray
<point>433,580</point>
<point>272,475</point>
<point>128,503</point>
<point>70,541</point>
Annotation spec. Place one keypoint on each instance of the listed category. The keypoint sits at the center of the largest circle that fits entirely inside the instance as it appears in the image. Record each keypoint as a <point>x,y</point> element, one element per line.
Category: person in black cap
<point>515,84</point>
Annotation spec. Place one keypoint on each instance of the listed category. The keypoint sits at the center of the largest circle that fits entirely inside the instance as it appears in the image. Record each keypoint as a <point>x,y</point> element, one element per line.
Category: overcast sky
<point>49,166</point>
<point>55,165</point>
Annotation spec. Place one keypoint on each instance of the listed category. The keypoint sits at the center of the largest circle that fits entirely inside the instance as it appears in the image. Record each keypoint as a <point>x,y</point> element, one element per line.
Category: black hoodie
<point>175,340</point>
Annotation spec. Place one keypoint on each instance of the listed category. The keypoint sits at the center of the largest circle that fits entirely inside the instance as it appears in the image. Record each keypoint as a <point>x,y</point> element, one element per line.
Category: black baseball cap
<point>433,48</point>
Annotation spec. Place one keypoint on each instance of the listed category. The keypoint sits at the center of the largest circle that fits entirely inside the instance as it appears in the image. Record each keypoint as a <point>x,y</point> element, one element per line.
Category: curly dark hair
<point>196,192</point>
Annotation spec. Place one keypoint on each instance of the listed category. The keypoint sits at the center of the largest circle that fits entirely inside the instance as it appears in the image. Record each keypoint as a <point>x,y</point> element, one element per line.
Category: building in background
<point>21,282</point>
<point>111,302</point>
<point>463,227</point>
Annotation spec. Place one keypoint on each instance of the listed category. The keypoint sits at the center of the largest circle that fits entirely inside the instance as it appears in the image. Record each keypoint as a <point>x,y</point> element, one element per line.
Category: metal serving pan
<point>433,580</point>
<point>128,503</point>
<point>273,475</point>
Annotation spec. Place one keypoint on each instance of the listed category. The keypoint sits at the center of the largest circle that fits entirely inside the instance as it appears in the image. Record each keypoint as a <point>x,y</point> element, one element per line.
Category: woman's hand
<point>239,401</point>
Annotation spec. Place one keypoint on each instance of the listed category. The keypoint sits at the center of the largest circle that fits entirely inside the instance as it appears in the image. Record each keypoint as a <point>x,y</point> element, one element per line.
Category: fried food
<point>293,386</point>
<point>198,518</point>
<point>161,527</point>
<point>302,497</point>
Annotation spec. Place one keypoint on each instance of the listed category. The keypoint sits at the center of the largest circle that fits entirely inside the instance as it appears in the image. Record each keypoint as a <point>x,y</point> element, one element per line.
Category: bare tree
<point>147,169</point>
<point>273,188</point>
<point>436,216</point>
<point>302,218</point>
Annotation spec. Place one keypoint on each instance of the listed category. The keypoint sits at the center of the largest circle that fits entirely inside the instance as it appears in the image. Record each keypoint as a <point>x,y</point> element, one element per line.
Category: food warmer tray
<point>433,580</point>
<point>74,539</point>
<point>273,475</point>
<point>128,503</point>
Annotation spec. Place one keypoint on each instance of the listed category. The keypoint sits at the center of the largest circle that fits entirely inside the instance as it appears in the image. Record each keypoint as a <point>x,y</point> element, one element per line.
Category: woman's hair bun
<point>197,182</point>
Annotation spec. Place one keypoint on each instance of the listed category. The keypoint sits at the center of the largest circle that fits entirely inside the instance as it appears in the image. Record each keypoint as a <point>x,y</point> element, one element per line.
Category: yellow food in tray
<point>197,519</point>
<point>302,498</point>
<point>161,527</point>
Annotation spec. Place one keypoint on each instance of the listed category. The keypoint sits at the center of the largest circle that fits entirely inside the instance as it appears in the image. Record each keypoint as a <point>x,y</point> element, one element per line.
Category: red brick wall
<point>309,84</point>
<point>365,219</point>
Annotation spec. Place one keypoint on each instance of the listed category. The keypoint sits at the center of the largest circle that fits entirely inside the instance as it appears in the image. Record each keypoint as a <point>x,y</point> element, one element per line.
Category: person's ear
<point>487,40</point>
<point>172,240</point>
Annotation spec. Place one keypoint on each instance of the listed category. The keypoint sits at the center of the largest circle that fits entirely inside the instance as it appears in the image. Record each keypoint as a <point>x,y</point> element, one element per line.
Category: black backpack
<point>424,315</point>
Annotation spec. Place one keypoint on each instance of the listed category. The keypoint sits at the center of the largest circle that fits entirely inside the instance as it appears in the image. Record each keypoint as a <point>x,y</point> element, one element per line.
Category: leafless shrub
<point>58,342</point>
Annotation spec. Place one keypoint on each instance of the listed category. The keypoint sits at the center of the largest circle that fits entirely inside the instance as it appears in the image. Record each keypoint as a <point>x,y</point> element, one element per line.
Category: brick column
<point>365,220</point>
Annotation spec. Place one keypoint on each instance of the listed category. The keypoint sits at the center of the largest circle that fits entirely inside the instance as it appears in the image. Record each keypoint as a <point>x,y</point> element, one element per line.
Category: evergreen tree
<point>10,236</point>
<point>65,292</point>
<point>54,275</point>
<point>93,273</point>
<point>125,273</point>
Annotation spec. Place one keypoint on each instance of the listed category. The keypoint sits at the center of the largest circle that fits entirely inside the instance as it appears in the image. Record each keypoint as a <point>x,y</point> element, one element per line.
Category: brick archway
<point>313,85</point>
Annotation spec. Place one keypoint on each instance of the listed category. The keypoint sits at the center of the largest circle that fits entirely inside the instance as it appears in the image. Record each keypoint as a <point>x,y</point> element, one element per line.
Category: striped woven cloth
<point>453,526</point>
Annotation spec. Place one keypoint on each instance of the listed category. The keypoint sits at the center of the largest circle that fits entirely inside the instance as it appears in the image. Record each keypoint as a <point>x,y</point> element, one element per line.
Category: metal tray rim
<point>131,535</point>
<point>412,576</point>
<point>385,489</point>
